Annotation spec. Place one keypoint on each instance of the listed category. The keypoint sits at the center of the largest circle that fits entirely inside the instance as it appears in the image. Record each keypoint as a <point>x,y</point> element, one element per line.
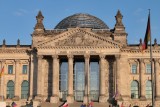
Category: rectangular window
<point>10,69</point>
<point>24,69</point>
<point>148,68</point>
<point>134,69</point>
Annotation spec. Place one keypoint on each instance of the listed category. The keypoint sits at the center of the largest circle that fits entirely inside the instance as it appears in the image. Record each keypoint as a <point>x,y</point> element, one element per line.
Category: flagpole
<point>152,73</point>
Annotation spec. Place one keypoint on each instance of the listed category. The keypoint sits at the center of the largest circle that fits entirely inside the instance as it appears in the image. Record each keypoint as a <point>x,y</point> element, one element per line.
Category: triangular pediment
<point>79,37</point>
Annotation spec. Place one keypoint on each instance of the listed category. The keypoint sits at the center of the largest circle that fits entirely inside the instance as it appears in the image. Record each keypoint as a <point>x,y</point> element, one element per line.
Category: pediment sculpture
<point>78,39</point>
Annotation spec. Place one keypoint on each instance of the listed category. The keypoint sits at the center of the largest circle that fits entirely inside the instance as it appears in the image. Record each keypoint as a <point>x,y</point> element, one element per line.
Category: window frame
<point>134,72</point>
<point>24,95</point>
<point>10,89</point>
<point>148,68</point>
<point>10,65</point>
<point>24,72</point>
<point>136,89</point>
<point>148,89</point>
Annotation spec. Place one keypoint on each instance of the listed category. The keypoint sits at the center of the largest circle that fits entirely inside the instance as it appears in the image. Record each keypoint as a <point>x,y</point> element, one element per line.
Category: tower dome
<point>82,21</point>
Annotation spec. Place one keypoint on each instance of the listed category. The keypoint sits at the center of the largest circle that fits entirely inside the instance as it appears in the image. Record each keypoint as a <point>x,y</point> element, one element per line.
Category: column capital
<point>141,60</point>
<point>17,60</point>
<point>117,56</point>
<point>156,60</point>
<point>102,56</point>
<point>40,56</point>
<point>70,56</point>
<point>55,56</point>
<point>3,60</point>
<point>86,56</point>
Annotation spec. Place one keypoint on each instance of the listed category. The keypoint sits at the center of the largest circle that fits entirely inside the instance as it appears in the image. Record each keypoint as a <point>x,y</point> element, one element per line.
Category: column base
<point>2,104</point>
<point>36,103</point>
<point>30,98</point>
<point>38,98</point>
<point>102,99</point>
<point>54,99</point>
<point>2,98</point>
<point>157,97</point>
<point>70,99</point>
<point>86,100</point>
<point>16,98</point>
<point>142,98</point>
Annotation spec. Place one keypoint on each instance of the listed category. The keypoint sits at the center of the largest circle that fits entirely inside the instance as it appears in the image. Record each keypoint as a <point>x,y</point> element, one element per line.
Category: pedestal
<point>30,98</point>
<point>36,103</point>
<point>70,99</point>
<point>86,100</point>
<point>102,99</point>
<point>54,99</point>
<point>157,98</point>
<point>16,98</point>
<point>2,104</point>
<point>142,98</point>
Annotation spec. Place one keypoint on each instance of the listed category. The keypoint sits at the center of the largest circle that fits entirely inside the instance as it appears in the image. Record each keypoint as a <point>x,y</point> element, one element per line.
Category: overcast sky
<point>17,17</point>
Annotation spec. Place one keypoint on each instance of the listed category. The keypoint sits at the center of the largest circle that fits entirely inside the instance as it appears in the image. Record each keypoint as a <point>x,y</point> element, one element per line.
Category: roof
<point>83,21</point>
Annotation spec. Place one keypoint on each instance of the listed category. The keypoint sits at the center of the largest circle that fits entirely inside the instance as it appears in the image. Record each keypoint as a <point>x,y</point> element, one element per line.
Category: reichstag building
<point>80,60</point>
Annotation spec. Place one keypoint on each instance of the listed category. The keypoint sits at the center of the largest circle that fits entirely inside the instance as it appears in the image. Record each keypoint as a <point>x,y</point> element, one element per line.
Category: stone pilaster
<point>103,97</point>
<point>17,84</point>
<point>55,80</point>
<point>2,80</point>
<point>70,97</point>
<point>39,78</point>
<point>141,78</point>
<point>87,90</point>
<point>157,67</point>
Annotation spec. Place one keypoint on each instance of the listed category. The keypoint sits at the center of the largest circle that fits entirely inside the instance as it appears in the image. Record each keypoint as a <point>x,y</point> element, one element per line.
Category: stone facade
<point>115,57</point>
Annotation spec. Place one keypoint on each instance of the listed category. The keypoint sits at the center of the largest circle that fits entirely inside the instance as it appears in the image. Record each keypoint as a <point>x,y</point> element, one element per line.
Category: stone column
<point>39,78</point>
<point>117,75</point>
<point>103,97</point>
<point>87,90</point>
<point>70,98</point>
<point>156,69</point>
<point>55,80</point>
<point>141,79</point>
<point>31,70</point>
<point>17,84</point>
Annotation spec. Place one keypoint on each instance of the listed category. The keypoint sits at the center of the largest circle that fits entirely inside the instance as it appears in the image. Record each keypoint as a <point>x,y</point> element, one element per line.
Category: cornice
<point>79,47</point>
<point>138,51</point>
<point>14,51</point>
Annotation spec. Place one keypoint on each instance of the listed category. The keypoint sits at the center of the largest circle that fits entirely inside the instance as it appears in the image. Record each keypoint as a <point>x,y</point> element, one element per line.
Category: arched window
<point>10,89</point>
<point>148,89</point>
<point>24,89</point>
<point>134,90</point>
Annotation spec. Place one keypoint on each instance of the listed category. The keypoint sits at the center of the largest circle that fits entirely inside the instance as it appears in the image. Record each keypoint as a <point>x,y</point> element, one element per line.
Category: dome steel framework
<point>82,21</point>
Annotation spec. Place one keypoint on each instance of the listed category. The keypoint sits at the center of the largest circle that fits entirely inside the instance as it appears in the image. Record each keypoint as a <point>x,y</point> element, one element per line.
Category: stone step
<point>75,104</point>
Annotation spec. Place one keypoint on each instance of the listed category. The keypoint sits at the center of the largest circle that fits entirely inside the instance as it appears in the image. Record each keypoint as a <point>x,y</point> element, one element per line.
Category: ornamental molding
<point>78,38</point>
<point>138,51</point>
<point>13,51</point>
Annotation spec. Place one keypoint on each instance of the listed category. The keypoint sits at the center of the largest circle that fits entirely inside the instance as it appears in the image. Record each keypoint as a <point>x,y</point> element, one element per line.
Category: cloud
<point>138,11</point>
<point>20,12</point>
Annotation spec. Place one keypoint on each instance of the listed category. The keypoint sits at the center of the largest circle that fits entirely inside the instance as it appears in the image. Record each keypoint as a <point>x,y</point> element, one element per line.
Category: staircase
<point>75,104</point>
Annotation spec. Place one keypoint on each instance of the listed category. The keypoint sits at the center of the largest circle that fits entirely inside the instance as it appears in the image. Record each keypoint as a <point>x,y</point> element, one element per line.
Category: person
<point>91,104</point>
<point>83,105</point>
<point>65,104</point>
<point>14,104</point>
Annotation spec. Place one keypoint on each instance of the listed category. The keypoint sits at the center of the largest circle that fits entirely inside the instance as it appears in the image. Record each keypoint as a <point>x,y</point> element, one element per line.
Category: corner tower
<point>119,32</point>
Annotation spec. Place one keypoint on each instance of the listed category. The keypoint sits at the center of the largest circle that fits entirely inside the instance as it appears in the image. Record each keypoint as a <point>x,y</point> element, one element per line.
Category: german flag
<point>147,35</point>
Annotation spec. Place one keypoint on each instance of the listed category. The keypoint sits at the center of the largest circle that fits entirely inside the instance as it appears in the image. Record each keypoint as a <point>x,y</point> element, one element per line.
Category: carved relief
<point>78,39</point>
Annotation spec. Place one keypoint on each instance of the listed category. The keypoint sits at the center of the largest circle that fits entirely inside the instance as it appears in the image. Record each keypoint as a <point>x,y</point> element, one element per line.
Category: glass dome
<point>82,21</point>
